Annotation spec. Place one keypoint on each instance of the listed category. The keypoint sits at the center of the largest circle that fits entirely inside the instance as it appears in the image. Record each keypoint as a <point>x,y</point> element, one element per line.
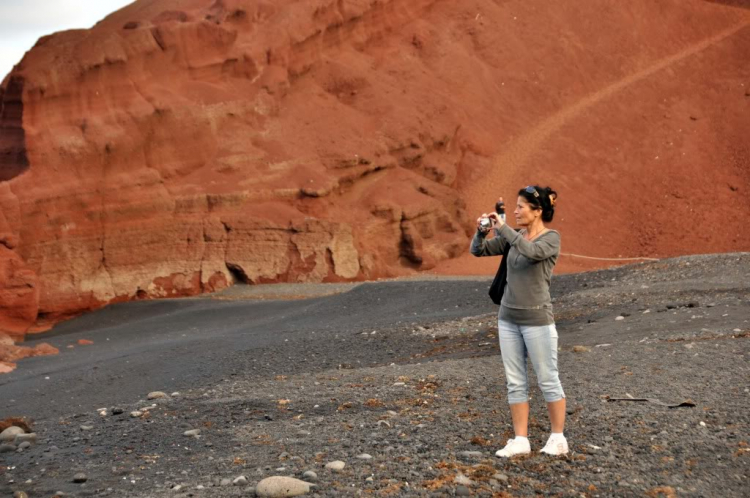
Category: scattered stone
<point>10,433</point>
<point>117,411</point>
<point>310,476</point>
<point>280,486</point>
<point>87,427</point>
<point>336,465</point>
<point>177,487</point>
<point>240,481</point>
<point>463,491</point>
<point>24,445</point>
<point>364,456</point>
<point>462,479</point>
<point>225,482</point>
<point>620,318</point>
<point>7,448</point>
<point>136,414</point>
<point>500,477</point>
<point>471,454</point>
<point>20,438</point>
<point>581,349</point>
<point>157,395</point>
<point>20,494</point>
<point>192,432</point>
<point>80,477</point>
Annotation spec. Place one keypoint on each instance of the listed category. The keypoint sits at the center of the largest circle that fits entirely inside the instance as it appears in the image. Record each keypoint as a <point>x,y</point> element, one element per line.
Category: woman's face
<point>525,214</point>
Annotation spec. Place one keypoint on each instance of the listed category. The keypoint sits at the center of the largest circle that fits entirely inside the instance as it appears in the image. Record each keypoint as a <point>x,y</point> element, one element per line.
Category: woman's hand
<point>497,221</point>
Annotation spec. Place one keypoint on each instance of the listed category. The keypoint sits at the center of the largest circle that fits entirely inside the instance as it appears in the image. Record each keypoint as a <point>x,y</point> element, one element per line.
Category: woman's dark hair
<point>543,198</point>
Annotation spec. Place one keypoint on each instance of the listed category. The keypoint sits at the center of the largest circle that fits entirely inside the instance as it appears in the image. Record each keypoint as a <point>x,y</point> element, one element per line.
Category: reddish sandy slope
<point>183,145</point>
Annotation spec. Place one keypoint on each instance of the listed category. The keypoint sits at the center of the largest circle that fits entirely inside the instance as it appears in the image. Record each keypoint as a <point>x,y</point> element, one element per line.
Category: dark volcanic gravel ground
<point>408,373</point>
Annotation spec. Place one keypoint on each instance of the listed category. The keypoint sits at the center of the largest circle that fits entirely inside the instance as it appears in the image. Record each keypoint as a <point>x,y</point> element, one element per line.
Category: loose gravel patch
<point>426,420</point>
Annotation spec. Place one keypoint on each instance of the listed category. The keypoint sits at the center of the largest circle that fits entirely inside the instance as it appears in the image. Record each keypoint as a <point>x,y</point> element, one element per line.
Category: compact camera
<point>485,223</point>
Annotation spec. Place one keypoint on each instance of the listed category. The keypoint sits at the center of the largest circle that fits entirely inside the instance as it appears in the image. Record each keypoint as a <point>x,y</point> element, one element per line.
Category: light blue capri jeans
<point>540,344</point>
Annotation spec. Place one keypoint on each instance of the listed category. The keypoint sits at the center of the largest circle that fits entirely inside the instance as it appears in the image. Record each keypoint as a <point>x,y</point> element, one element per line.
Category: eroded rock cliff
<point>178,147</point>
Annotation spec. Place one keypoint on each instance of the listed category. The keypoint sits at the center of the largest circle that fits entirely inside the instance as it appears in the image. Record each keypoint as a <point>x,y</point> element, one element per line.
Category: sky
<point>23,22</point>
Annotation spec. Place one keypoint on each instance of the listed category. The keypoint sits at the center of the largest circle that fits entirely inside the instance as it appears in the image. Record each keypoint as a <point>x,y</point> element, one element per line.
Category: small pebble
<point>336,465</point>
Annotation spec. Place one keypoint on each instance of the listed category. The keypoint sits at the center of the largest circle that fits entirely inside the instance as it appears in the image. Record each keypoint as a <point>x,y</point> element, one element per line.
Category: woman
<point>525,322</point>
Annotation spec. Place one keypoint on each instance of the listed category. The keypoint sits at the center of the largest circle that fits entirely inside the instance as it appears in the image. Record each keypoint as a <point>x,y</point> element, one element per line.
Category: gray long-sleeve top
<point>530,265</point>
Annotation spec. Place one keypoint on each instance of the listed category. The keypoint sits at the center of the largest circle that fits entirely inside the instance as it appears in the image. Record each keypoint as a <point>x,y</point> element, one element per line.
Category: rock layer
<point>172,151</point>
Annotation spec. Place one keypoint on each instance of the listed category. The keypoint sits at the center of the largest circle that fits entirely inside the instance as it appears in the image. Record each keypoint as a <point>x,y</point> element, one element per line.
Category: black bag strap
<point>497,287</point>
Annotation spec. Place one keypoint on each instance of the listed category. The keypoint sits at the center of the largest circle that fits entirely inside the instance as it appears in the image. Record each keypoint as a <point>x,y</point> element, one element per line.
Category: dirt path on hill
<point>515,155</point>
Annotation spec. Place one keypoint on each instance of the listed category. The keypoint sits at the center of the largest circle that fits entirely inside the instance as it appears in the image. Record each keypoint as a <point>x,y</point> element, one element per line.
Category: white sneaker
<point>555,446</point>
<point>514,447</point>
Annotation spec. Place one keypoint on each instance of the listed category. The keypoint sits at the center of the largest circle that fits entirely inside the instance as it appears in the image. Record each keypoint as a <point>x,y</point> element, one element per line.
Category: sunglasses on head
<point>532,190</point>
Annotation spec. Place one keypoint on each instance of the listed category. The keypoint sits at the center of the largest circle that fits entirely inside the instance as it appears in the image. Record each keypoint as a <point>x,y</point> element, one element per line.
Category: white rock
<point>192,432</point>
<point>462,479</point>
<point>336,465</point>
<point>175,394</point>
<point>702,424</point>
<point>20,438</point>
<point>364,456</point>
<point>240,481</point>
<point>156,395</point>
<point>10,433</point>
<point>136,414</point>
<point>177,488</point>
<point>280,486</point>
<point>620,318</point>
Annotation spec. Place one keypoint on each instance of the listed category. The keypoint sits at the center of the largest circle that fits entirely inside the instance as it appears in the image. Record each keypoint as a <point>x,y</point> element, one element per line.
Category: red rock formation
<point>10,353</point>
<point>178,147</point>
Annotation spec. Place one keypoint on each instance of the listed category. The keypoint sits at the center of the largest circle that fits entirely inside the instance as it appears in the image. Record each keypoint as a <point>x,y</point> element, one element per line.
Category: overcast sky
<point>23,22</point>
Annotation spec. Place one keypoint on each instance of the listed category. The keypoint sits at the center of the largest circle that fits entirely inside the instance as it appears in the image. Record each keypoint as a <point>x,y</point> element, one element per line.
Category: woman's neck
<point>535,228</point>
